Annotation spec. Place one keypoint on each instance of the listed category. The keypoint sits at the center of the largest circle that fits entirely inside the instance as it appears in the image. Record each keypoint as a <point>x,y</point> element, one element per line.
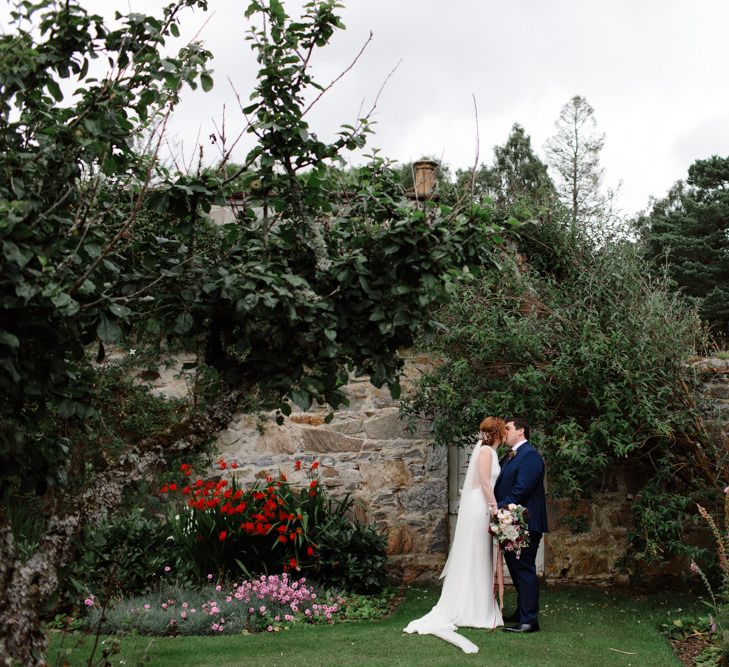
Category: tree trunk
<point>27,586</point>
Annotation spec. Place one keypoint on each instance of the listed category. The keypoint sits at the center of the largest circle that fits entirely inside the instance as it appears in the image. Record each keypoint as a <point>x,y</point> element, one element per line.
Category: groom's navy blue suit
<point>522,482</point>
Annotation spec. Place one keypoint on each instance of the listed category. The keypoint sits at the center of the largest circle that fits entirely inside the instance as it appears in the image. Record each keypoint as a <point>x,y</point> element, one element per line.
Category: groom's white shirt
<point>517,445</point>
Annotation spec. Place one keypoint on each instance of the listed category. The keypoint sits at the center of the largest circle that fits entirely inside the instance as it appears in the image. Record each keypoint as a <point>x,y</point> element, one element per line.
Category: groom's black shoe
<point>523,627</point>
<point>512,618</point>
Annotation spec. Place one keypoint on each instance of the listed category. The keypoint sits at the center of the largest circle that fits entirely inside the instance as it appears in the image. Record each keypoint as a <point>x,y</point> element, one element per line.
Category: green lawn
<point>580,626</point>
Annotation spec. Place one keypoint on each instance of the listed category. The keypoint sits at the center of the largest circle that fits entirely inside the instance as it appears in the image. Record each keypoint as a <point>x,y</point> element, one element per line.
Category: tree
<point>688,233</point>
<point>596,356</point>
<point>518,182</point>
<point>574,154</point>
<point>102,246</point>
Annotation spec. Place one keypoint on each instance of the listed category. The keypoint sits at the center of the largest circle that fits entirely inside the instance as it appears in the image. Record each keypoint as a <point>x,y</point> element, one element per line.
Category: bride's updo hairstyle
<point>493,428</point>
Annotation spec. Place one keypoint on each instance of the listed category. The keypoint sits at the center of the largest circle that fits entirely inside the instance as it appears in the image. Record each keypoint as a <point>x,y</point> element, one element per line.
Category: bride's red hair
<point>493,427</point>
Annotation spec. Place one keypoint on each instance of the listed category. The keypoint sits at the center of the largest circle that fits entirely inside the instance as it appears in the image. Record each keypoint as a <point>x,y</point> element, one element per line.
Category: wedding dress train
<point>467,598</point>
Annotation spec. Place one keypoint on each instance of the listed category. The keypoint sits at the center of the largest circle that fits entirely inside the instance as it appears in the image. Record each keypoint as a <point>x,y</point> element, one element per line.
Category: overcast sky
<point>655,71</point>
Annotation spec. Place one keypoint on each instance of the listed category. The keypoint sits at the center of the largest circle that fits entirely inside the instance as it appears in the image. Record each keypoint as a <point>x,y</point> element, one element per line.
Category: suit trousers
<point>523,571</point>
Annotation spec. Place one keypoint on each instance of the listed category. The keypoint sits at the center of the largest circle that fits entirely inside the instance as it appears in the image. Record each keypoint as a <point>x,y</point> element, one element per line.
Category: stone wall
<point>398,479</point>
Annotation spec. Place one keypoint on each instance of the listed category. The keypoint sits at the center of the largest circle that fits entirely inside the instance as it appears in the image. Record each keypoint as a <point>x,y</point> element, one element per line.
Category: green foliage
<point>124,554</point>
<point>350,555</point>
<point>596,357</point>
<point>686,234</point>
<point>518,182</point>
<point>60,262</point>
<point>321,275</point>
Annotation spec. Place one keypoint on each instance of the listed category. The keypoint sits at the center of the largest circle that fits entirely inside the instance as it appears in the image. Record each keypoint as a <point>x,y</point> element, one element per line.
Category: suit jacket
<point>522,482</point>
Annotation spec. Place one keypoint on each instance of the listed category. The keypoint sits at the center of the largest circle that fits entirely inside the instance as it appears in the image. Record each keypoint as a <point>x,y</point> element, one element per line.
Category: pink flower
<point>210,576</point>
<point>146,606</point>
<point>185,605</point>
<point>726,490</point>
<point>193,610</point>
<point>89,602</point>
<point>218,588</point>
<point>269,628</point>
<point>183,614</point>
<point>164,605</point>
<point>168,568</point>
<point>215,626</point>
<point>694,568</point>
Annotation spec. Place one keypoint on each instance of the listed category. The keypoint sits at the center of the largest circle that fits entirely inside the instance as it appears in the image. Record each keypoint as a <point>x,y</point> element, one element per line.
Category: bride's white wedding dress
<point>467,598</point>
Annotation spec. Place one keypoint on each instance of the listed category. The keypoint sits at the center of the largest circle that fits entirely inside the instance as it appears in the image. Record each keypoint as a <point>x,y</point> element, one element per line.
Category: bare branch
<point>478,142</point>
<point>334,81</point>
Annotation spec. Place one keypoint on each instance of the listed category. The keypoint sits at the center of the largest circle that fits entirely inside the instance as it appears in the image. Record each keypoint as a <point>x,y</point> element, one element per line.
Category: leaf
<point>108,331</point>
<point>302,398</point>
<point>331,334</point>
<point>16,255</point>
<point>54,89</point>
<point>67,408</point>
<point>6,338</point>
<point>395,389</point>
<point>120,311</point>
<point>174,30</point>
<point>206,81</point>
<point>183,323</point>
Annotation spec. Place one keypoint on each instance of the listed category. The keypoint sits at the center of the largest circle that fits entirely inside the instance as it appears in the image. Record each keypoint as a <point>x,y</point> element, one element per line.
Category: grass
<point>580,626</point>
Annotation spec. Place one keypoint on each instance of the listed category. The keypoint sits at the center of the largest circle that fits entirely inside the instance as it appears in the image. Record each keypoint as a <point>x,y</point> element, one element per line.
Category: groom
<point>522,482</point>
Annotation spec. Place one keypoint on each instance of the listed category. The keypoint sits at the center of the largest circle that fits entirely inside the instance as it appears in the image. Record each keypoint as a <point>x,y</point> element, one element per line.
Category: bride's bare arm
<point>484,473</point>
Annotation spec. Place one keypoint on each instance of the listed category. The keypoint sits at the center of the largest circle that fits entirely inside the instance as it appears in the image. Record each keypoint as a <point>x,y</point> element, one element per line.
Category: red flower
<point>315,465</point>
<point>281,529</point>
<point>283,477</point>
<point>223,535</point>
<point>297,465</point>
<point>237,494</point>
<point>313,483</point>
<point>173,487</point>
<point>222,464</point>
<point>164,488</point>
<point>312,493</point>
<point>186,491</point>
<point>234,465</point>
<point>293,563</point>
<point>310,551</point>
<point>292,536</point>
<point>282,539</point>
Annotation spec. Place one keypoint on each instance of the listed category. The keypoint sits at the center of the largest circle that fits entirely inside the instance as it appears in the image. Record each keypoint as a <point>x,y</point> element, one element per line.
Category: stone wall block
<point>279,440</point>
<point>387,425</point>
<point>426,496</point>
<point>324,441</point>
<point>348,427</point>
<point>385,474</point>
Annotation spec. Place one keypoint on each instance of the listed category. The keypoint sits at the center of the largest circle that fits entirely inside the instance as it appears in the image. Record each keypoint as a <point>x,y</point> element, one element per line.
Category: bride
<point>467,598</point>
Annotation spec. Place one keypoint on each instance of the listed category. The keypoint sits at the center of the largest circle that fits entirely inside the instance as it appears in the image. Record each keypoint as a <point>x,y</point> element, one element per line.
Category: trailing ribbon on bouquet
<point>499,578</point>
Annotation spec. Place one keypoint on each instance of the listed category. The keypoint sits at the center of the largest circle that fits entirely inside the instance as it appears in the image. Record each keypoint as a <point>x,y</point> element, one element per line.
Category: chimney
<point>425,174</point>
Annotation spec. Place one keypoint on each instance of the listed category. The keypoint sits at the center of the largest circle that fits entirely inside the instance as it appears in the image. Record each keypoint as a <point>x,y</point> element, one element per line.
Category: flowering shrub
<point>716,625</point>
<point>272,527</point>
<point>265,604</point>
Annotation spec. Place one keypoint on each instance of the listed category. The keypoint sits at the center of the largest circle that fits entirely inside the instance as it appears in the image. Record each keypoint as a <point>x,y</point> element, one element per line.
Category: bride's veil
<point>464,525</point>
<point>458,568</point>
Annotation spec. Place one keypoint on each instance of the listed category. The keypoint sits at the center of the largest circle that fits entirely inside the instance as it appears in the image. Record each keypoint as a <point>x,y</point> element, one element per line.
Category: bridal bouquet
<point>509,527</point>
